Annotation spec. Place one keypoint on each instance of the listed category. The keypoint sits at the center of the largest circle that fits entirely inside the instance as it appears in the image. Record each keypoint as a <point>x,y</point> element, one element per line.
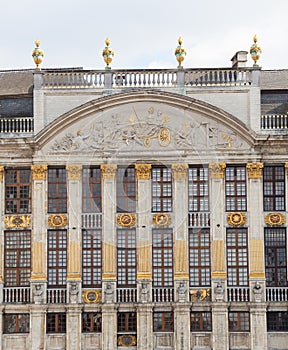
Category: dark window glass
<point>56,323</point>
<point>201,321</point>
<point>126,257</point>
<point>91,322</point>
<point>126,322</point>
<point>199,258</point>
<point>277,321</point>
<point>17,191</point>
<point>274,188</point>
<point>235,185</point>
<point>91,190</point>
<point>17,264</point>
<point>198,189</point>
<point>126,190</point>
<point>239,321</point>
<point>275,257</point>
<point>163,322</point>
<point>16,323</point>
<point>161,189</point>
<point>57,190</point>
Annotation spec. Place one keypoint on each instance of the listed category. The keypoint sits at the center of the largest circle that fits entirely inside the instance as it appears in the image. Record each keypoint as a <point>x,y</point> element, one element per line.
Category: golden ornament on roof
<point>107,54</point>
<point>37,54</point>
<point>255,51</point>
<point>180,53</point>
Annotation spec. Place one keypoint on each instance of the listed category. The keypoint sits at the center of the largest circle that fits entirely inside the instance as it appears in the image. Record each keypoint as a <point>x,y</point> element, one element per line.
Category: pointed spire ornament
<point>180,53</point>
<point>37,55</point>
<point>255,51</point>
<point>107,54</point>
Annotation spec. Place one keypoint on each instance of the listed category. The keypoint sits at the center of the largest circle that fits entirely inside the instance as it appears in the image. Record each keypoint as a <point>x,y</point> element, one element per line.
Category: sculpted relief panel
<point>142,126</point>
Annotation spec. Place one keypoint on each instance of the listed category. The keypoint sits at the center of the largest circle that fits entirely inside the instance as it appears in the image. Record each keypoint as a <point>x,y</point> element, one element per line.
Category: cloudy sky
<point>143,33</point>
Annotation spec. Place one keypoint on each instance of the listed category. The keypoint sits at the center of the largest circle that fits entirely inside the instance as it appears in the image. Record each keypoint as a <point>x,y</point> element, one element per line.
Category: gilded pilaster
<point>2,196</point>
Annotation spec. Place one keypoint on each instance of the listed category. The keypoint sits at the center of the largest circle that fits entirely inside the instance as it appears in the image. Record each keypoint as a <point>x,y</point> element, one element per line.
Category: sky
<point>143,33</point>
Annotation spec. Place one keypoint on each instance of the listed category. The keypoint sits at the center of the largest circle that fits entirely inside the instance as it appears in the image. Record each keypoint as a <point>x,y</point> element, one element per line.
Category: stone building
<point>144,208</point>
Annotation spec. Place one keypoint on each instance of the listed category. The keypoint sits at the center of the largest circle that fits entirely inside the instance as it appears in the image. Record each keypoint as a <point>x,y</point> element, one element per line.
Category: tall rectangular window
<point>239,321</point>
<point>274,188</point>
<point>17,191</point>
<point>91,258</point>
<point>275,256</point>
<point>237,257</point>
<point>91,190</point>
<point>126,190</point>
<point>57,190</point>
<point>198,189</point>
<point>161,189</point>
<point>17,260</point>
<point>199,258</point>
<point>126,257</point>
<point>57,258</point>
<point>163,322</point>
<point>235,185</point>
<point>162,257</point>
<point>201,321</point>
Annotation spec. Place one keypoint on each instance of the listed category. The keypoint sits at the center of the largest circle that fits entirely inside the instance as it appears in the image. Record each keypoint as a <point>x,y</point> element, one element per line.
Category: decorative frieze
<point>143,171</point>
<point>217,170</point>
<point>57,220</point>
<point>126,220</point>
<point>39,171</point>
<point>275,219</point>
<point>162,219</point>
<point>254,170</point>
<point>108,171</point>
<point>236,219</point>
<point>179,171</point>
<point>74,172</point>
<point>17,221</point>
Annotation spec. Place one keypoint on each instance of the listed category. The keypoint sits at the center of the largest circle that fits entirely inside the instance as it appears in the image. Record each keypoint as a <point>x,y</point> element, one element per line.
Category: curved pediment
<point>142,122</point>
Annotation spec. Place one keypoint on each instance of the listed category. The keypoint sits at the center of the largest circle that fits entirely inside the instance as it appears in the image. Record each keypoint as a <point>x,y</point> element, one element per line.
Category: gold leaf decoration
<point>236,219</point>
<point>57,220</point>
<point>17,221</point>
<point>275,219</point>
<point>91,296</point>
<point>126,220</point>
<point>162,219</point>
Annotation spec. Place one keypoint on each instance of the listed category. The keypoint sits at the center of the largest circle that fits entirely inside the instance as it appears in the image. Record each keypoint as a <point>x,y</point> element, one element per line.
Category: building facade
<point>144,209</point>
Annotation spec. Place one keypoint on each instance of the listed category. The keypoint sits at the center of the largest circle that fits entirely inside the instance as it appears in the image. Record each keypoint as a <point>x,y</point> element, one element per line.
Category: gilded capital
<point>39,172</point>
<point>217,170</point>
<point>254,170</point>
<point>74,172</point>
<point>143,171</point>
<point>179,171</point>
<point>108,171</point>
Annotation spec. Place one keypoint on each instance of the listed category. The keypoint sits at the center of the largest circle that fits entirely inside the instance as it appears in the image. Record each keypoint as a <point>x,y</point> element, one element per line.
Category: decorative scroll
<point>57,220</point>
<point>126,220</point>
<point>17,221</point>
<point>91,296</point>
<point>275,219</point>
<point>162,219</point>
<point>74,172</point>
<point>143,171</point>
<point>254,170</point>
<point>108,171</point>
<point>200,295</point>
<point>39,172</point>
<point>127,340</point>
<point>179,171</point>
<point>217,170</point>
<point>236,219</point>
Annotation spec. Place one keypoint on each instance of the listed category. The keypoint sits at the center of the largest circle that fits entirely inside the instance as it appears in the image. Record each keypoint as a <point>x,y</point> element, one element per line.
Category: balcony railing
<point>16,295</point>
<point>201,219</point>
<point>17,125</point>
<point>274,122</point>
<point>56,296</point>
<point>236,294</point>
<point>277,294</point>
<point>126,295</point>
<point>163,295</point>
<point>91,220</point>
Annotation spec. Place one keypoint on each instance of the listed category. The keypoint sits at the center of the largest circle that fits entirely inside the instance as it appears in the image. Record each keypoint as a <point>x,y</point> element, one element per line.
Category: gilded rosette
<point>161,219</point>
<point>126,220</point>
<point>236,219</point>
<point>57,220</point>
<point>275,219</point>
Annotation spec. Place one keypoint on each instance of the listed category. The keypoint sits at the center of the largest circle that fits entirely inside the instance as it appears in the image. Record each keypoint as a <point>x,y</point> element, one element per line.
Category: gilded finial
<point>180,53</point>
<point>107,54</point>
<point>255,51</point>
<point>37,54</point>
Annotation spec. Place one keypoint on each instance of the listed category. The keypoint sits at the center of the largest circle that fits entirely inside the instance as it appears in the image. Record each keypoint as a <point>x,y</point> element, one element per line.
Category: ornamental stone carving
<point>161,219</point>
<point>217,170</point>
<point>179,171</point>
<point>236,219</point>
<point>17,221</point>
<point>126,220</point>
<point>57,220</point>
<point>127,340</point>
<point>108,171</point>
<point>254,170</point>
<point>275,219</point>
<point>143,171</point>
<point>91,296</point>
<point>74,172</point>
<point>39,172</point>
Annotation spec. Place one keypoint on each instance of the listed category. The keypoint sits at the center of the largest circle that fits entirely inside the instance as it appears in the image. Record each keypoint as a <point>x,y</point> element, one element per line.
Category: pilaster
<point>220,326</point>
<point>109,327</point>
<point>144,326</point>
<point>258,326</point>
<point>182,326</point>
<point>73,335</point>
<point>2,196</point>
<point>37,326</point>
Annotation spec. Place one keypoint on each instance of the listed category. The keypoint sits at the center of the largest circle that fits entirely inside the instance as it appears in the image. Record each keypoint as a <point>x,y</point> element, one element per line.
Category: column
<point>256,257</point>
<point>218,257</point>
<point>181,270</point>
<point>144,258</point>
<point>109,274</point>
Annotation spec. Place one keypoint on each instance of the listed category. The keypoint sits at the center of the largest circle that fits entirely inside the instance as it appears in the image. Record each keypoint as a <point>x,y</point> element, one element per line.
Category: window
<point>126,190</point>
<point>198,189</point>
<point>91,258</point>
<point>277,321</point>
<point>161,189</point>
<point>126,257</point>
<point>163,322</point>
<point>237,257</point>
<point>57,190</point>
<point>16,323</point>
<point>199,257</point>
<point>56,323</point>
<point>201,322</point>
<point>274,188</point>
<point>235,183</point>
<point>162,251</point>
<point>91,190</point>
<point>275,257</point>
<point>126,322</point>
<point>91,322</point>
<point>57,258</point>
<point>17,191</point>
<point>239,321</point>
<point>17,264</point>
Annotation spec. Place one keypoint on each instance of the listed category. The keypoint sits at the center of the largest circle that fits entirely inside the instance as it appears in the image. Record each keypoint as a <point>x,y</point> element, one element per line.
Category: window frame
<point>126,189</point>
<point>57,200</point>
<point>17,323</point>
<point>90,325</point>
<point>205,321</point>
<point>127,322</point>
<point>162,189</point>
<point>271,185</point>
<point>274,324</point>
<point>91,189</point>
<point>167,323</point>
<point>56,323</point>
<point>239,321</point>
<point>198,189</point>
<point>235,188</point>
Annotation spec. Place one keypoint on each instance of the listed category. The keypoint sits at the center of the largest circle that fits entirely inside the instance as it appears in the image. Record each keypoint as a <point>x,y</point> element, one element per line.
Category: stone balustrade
<point>56,296</point>
<point>126,295</point>
<point>17,125</point>
<point>16,295</point>
<point>238,294</point>
<point>91,220</point>
<point>198,219</point>
<point>163,295</point>
<point>274,122</point>
<point>276,294</point>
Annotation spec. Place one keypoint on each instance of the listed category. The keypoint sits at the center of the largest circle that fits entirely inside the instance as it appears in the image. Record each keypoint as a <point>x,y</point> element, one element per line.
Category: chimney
<point>239,59</point>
